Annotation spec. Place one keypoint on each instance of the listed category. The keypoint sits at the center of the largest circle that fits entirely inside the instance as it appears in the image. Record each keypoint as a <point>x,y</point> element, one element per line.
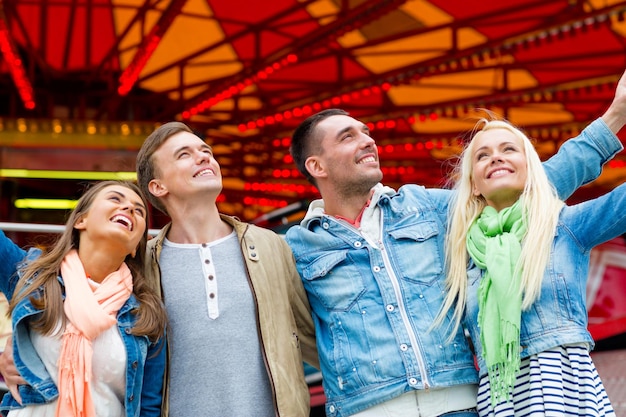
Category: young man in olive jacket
<point>240,324</point>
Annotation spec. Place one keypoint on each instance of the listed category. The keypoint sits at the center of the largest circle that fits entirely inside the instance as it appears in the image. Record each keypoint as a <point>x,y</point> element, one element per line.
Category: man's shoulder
<point>245,228</point>
<point>421,192</point>
<point>262,231</point>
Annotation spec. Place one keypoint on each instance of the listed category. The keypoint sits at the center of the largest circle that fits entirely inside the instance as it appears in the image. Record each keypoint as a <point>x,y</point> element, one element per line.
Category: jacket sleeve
<point>580,160</point>
<point>302,312</point>
<point>11,255</point>
<point>599,220</point>
<point>152,389</point>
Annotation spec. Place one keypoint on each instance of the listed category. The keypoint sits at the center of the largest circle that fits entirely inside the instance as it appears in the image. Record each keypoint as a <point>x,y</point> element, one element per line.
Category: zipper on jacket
<point>405,317</point>
<point>396,288</point>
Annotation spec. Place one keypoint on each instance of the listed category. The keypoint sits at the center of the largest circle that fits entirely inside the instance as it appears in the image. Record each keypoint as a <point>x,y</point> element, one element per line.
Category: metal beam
<point>149,43</point>
<point>16,66</point>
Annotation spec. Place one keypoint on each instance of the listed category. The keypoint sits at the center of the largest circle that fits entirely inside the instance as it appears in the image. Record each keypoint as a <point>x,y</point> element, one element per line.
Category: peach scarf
<point>89,312</point>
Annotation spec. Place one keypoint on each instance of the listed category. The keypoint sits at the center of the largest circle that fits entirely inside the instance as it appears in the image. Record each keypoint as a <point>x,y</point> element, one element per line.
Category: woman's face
<point>117,217</point>
<point>499,167</point>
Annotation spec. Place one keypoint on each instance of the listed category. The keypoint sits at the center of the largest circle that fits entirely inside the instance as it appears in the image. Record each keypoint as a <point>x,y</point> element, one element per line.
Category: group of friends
<point>464,301</point>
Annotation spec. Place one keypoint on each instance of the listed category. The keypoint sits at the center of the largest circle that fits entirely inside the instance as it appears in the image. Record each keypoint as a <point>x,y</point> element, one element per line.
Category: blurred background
<point>83,82</point>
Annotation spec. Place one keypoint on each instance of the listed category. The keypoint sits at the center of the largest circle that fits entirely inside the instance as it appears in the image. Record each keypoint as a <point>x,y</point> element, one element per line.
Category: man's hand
<point>9,372</point>
<point>615,116</point>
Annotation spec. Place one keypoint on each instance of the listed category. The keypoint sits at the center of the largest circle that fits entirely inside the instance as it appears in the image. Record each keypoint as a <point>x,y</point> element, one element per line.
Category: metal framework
<point>244,74</point>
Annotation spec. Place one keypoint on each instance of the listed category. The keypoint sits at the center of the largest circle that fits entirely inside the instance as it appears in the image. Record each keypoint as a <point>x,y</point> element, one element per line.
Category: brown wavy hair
<point>39,281</point>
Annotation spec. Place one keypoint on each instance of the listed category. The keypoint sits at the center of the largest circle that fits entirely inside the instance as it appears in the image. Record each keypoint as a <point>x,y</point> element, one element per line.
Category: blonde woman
<point>88,332</point>
<point>524,302</point>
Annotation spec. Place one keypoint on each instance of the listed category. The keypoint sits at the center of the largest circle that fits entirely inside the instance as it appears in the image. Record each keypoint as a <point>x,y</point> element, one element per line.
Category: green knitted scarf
<point>494,243</point>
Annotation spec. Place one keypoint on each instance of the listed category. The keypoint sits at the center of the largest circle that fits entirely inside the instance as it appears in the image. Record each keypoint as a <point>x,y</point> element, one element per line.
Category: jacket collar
<point>316,208</point>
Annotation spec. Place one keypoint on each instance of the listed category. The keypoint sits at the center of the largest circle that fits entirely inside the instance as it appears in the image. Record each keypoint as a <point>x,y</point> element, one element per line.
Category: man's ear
<point>315,167</point>
<point>157,188</point>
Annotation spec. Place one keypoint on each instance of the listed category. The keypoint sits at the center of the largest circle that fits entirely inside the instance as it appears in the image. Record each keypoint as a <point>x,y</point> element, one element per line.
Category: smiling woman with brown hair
<point>87,330</point>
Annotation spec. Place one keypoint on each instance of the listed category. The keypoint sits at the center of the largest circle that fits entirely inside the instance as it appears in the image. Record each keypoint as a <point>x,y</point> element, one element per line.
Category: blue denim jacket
<point>559,316</point>
<point>373,303</point>
<point>145,360</point>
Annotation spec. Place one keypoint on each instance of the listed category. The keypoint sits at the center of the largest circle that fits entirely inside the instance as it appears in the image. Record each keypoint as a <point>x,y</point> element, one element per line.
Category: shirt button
<point>131,398</point>
<point>390,307</point>
<point>204,245</point>
<point>135,365</point>
<point>331,408</point>
<point>212,295</point>
<point>251,246</point>
<point>325,226</point>
<point>412,381</point>
<point>357,244</point>
<point>404,347</point>
<point>376,269</point>
<point>210,277</point>
<point>206,261</point>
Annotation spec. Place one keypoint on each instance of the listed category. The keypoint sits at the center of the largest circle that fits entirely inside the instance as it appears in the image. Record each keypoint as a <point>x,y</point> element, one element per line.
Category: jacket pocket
<point>416,252</point>
<point>335,279</point>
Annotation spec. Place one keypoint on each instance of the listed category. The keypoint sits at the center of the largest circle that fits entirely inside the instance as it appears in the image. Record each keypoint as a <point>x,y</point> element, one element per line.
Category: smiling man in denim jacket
<point>372,262</point>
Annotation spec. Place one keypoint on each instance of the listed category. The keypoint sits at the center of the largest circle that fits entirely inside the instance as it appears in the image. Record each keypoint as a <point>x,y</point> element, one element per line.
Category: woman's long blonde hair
<point>40,284</point>
<point>540,205</point>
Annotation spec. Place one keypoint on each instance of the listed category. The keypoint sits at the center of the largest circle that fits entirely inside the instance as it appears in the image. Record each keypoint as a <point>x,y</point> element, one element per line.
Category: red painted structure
<point>245,73</point>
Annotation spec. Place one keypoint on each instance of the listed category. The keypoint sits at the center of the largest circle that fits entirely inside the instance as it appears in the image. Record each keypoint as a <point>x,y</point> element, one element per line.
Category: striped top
<point>556,382</point>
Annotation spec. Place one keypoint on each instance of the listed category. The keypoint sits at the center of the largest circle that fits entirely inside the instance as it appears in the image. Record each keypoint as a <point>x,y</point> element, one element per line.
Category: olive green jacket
<point>285,326</point>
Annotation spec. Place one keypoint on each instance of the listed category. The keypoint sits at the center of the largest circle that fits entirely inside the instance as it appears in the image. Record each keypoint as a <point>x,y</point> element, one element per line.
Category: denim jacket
<point>373,303</point>
<point>559,316</point>
<point>145,360</point>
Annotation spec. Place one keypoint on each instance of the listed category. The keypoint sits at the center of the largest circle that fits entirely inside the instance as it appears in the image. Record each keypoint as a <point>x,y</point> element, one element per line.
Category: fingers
<point>12,377</point>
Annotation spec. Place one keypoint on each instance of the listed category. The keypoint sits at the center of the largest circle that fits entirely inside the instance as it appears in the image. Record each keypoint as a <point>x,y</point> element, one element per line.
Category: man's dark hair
<point>305,140</point>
